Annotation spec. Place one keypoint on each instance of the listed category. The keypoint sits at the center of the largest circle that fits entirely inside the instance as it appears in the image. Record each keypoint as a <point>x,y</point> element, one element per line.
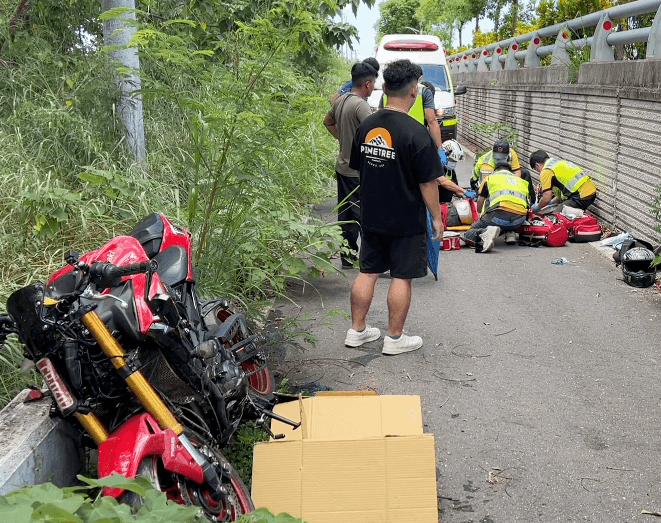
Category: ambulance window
<point>436,75</point>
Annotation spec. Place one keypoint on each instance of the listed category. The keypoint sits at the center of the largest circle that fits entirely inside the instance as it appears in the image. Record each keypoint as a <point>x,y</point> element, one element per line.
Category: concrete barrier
<point>35,448</point>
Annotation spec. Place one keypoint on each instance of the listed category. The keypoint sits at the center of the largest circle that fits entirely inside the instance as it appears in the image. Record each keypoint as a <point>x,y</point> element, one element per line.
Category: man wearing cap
<point>486,164</point>
<point>508,207</point>
<point>576,188</point>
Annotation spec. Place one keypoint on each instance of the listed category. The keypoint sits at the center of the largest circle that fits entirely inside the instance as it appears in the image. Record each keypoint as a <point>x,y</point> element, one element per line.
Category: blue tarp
<point>433,248</point>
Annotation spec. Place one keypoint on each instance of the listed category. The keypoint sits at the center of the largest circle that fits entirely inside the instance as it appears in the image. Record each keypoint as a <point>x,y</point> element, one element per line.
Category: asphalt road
<point>538,381</point>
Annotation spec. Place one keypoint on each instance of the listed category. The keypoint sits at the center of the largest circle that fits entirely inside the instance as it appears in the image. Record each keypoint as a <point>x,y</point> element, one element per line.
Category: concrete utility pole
<point>116,32</point>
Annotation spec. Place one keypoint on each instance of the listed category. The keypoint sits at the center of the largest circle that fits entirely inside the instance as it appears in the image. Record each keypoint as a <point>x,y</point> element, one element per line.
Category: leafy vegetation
<point>240,452</point>
<point>84,504</point>
<point>234,98</point>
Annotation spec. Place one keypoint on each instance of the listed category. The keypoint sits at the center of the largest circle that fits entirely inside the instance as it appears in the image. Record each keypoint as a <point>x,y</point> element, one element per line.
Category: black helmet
<point>637,267</point>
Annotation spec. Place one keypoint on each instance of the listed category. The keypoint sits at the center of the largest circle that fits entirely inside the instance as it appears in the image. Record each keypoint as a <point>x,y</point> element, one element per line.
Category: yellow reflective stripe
<point>571,184</point>
<point>447,123</point>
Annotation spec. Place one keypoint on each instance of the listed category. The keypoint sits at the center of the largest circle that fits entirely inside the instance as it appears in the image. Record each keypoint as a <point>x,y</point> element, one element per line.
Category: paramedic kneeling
<point>508,209</point>
<point>576,188</point>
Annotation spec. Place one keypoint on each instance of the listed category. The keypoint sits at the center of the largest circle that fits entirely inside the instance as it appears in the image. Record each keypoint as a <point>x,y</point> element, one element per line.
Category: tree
<point>117,33</point>
<point>398,17</point>
<point>450,13</point>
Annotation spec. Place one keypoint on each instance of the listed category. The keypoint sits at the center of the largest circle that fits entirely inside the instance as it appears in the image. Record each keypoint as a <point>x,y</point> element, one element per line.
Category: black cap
<point>501,150</point>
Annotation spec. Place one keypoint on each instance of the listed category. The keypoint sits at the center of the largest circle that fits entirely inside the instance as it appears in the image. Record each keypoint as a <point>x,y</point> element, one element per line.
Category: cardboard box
<point>355,459</point>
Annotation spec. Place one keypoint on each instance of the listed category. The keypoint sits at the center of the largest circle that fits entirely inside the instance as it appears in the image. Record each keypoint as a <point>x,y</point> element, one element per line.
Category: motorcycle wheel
<point>186,492</point>
<point>262,383</point>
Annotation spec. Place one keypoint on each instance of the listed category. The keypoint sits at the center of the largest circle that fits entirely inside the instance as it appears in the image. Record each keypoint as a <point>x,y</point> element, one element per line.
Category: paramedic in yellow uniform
<point>508,207</point>
<point>576,188</point>
<point>486,163</point>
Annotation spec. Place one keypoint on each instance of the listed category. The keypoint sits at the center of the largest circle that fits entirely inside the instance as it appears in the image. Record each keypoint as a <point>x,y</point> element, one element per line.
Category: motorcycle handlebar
<point>105,275</point>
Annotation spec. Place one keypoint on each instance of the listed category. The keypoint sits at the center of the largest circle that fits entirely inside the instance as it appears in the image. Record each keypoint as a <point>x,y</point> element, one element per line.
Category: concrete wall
<point>609,122</point>
<point>35,448</point>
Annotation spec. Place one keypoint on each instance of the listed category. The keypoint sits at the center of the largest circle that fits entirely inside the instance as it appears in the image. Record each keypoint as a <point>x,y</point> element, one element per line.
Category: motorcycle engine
<point>227,374</point>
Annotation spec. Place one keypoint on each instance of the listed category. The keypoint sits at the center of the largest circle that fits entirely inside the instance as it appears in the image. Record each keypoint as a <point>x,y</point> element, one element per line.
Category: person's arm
<point>546,178</point>
<point>514,163</point>
<point>330,123</point>
<point>448,184</point>
<point>434,128</point>
<point>429,192</point>
<point>484,194</point>
<point>480,203</point>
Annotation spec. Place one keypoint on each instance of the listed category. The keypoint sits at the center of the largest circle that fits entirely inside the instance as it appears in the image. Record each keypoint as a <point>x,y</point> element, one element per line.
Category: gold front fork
<point>93,426</point>
<point>136,381</point>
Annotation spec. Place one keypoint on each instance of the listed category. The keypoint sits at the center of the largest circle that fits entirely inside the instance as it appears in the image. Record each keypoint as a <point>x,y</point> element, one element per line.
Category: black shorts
<point>404,256</point>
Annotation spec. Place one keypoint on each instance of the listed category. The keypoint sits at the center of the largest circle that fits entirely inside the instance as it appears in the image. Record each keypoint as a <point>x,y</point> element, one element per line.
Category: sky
<point>364,22</point>
<point>367,17</point>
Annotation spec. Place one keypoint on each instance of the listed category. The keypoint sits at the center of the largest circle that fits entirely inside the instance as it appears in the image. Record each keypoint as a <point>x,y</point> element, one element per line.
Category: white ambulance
<point>428,52</point>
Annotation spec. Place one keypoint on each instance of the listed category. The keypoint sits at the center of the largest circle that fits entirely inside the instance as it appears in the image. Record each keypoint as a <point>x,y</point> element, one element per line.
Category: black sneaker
<point>350,262</point>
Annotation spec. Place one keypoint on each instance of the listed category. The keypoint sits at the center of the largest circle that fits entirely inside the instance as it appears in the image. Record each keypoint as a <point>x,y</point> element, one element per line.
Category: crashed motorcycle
<point>158,380</point>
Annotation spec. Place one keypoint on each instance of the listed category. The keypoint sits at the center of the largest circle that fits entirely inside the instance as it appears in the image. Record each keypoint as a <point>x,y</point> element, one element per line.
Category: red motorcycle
<point>158,381</point>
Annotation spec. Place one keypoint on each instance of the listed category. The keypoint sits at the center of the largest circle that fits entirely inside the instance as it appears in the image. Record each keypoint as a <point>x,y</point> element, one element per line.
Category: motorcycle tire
<point>239,496</point>
<point>262,383</point>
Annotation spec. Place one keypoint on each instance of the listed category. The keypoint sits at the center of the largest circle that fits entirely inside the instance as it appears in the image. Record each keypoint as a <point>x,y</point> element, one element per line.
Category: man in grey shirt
<point>348,111</point>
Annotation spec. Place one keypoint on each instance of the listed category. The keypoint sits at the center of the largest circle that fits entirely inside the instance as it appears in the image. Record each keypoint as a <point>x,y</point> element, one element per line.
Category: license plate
<point>66,401</point>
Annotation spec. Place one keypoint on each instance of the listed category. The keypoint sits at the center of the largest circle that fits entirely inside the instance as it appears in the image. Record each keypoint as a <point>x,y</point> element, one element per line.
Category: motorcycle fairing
<point>135,439</point>
<point>121,250</point>
<point>26,307</point>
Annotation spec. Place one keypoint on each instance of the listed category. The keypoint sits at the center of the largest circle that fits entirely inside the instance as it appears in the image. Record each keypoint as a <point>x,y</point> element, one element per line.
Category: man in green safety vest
<point>577,190</point>
<point>423,110</point>
<point>508,208</point>
<point>486,163</point>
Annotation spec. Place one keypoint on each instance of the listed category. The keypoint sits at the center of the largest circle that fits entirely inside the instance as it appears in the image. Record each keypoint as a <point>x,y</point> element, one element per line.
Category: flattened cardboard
<point>356,460</point>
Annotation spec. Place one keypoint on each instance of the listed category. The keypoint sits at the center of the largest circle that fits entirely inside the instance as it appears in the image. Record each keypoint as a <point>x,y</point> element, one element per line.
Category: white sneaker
<point>403,344</point>
<point>489,237</point>
<point>356,339</point>
<point>510,237</point>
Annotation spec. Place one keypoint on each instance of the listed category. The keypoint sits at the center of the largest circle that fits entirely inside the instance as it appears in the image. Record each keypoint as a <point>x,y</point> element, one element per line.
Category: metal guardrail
<point>492,57</point>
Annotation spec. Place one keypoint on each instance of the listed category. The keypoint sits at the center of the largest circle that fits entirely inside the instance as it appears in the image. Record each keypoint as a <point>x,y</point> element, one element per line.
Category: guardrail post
<point>654,40</point>
<point>560,55</point>
<point>601,51</point>
<point>510,59</point>
<point>451,65</point>
<point>471,63</point>
<point>495,59</point>
<point>532,60</point>
<point>482,62</point>
<point>463,64</point>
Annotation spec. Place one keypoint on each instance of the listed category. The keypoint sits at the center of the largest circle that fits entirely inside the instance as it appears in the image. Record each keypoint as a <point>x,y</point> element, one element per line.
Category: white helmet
<point>453,150</point>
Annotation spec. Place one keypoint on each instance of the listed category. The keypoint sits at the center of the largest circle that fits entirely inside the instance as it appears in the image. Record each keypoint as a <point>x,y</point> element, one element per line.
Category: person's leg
<point>575,202</point>
<point>362,293</point>
<point>408,260</point>
<point>348,211</point>
<point>472,235</point>
<point>373,261</point>
<point>399,301</point>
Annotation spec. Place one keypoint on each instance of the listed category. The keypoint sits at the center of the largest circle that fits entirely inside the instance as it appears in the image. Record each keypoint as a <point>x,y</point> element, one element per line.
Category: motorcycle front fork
<point>145,393</point>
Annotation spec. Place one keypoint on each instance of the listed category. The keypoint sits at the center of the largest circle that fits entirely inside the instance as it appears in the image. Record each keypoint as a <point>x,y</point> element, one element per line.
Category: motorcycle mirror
<point>71,257</point>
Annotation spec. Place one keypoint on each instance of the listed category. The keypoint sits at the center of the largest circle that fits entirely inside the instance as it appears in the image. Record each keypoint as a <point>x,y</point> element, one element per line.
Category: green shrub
<point>84,504</point>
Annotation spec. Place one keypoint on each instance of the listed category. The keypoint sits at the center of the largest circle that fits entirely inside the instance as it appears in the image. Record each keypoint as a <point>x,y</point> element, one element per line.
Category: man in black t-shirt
<point>399,166</point>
